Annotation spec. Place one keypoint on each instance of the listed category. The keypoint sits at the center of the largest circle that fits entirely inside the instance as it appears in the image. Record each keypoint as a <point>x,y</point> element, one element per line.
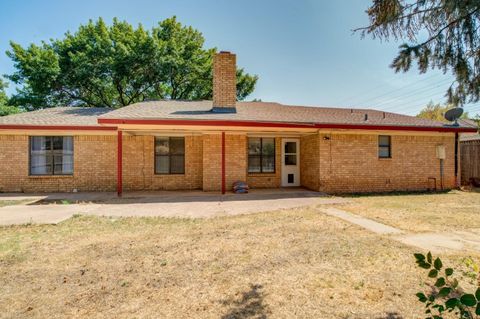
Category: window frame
<point>52,153</point>
<point>382,146</point>
<point>169,155</point>
<point>261,155</point>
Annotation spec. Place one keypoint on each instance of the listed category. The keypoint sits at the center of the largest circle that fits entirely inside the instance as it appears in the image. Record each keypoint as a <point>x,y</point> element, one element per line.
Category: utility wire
<point>370,98</point>
<point>407,97</point>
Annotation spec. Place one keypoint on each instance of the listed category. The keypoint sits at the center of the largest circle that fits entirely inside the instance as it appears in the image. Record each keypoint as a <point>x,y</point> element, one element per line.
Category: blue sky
<point>304,51</point>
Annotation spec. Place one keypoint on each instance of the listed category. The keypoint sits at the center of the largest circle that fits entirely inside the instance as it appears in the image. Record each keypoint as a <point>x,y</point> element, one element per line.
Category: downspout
<point>119,163</point>
<point>441,174</point>
<point>457,181</point>
<point>223,162</point>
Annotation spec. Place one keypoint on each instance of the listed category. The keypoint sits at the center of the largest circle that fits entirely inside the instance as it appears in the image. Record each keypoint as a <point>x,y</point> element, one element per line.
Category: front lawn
<point>422,212</point>
<point>4,203</point>
<point>288,264</point>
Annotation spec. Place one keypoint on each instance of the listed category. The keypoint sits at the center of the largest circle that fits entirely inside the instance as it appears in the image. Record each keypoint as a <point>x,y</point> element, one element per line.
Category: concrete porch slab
<point>48,208</point>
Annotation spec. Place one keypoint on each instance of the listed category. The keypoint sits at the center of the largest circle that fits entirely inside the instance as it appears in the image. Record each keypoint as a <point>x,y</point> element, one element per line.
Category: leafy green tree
<point>113,66</point>
<point>436,112</point>
<point>439,34</point>
<point>5,108</point>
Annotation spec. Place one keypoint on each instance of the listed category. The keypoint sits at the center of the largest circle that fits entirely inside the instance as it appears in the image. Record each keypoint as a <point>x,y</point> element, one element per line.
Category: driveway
<point>54,208</point>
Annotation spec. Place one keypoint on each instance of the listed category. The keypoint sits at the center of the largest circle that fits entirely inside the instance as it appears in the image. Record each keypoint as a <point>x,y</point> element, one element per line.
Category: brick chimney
<point>224,82</point>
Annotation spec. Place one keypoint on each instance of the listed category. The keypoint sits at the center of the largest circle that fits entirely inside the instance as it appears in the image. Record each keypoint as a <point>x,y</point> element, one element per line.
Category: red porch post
<point>119,163</point>
<point>223,162</point>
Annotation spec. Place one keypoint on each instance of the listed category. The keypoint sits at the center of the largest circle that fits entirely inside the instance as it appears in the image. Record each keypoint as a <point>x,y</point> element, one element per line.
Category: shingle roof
<point>201,110</point>
<point>75,116</point>
<point>266,112</point>
<point>469,137</point>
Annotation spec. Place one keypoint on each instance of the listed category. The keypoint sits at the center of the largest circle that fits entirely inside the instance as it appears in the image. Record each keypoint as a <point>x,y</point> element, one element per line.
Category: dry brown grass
<point>287,264</point>
<point>4,203</point>
<point>455,210</point>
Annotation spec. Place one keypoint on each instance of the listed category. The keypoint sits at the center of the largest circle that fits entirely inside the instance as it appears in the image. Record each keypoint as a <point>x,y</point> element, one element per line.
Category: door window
<point>290,153</point>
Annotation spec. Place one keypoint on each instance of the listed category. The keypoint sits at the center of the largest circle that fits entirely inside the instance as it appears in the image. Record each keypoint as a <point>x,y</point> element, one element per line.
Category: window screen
<point>261,155</point>
<point>169,155</point>
<point>51,155</point>
<point>384,146</point>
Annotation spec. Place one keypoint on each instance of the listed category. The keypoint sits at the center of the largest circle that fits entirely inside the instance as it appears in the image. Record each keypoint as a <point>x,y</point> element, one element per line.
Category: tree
<point>440,34</point>
<point>436,111</point>
<point>113,66</point>
<point>5,108</point>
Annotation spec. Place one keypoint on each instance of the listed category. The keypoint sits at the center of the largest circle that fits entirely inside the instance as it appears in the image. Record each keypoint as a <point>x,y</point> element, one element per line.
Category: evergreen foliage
<point>438,34</point>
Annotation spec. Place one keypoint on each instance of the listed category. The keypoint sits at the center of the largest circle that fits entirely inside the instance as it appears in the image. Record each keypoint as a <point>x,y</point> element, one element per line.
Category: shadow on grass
<point>391,315</point>
<point>249,305</point>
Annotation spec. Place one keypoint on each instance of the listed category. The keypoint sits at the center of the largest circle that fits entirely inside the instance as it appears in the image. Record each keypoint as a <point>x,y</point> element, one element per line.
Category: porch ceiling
<point>199,130</point>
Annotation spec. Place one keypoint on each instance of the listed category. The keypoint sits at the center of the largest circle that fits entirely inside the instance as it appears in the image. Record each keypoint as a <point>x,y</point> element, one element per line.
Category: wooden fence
<point>469,160</point>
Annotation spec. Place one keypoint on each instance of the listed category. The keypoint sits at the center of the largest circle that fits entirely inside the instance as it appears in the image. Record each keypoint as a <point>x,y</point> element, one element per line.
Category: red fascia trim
<point>223,162</point>
<point>284,125</point>
<point>56,127</point>
<point>119,162</point>
<point>397,128</point>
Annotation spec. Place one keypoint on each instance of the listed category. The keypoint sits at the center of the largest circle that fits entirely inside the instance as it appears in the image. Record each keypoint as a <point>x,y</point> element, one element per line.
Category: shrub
<point>446,296</point>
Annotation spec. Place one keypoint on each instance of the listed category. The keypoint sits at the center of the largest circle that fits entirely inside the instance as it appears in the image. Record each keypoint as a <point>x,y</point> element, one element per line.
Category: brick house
<point>184,145</point>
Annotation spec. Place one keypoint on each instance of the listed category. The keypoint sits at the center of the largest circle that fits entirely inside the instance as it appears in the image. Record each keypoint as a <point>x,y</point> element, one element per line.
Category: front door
<point>290,162</point>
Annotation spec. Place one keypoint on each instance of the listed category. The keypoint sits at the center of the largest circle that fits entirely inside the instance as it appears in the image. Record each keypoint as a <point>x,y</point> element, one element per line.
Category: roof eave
<point>111,121</point>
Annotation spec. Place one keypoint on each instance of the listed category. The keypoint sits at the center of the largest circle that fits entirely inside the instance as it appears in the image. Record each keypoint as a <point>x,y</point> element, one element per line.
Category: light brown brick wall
<point>94,166</point>
<point>350,163</point>
<point>212,162</point>
<point>224,80</point>
<point>273,180</point>
<point>345,163</point>
<point>139,165</point>
<point>310,161</point>
<point>235,160</point>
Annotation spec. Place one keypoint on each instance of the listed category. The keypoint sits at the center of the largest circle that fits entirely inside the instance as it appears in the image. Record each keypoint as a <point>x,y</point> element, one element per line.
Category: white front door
<point>290,162</point>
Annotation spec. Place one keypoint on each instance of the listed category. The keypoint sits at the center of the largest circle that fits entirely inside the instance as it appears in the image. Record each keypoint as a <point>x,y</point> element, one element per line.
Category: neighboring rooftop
<point>467,137</point>
<point>201,110</point>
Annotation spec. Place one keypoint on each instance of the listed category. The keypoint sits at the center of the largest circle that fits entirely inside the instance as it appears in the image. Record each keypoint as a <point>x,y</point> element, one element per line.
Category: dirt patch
<point>285,264</point>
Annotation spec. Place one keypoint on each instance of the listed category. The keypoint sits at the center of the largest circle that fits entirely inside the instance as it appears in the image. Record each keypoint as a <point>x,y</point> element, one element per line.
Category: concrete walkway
<point>361,221</point>
<point>163,204</point>
<point>434,242</point>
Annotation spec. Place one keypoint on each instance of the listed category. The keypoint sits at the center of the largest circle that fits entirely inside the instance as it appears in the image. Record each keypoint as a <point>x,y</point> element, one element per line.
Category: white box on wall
<point>441,152</point>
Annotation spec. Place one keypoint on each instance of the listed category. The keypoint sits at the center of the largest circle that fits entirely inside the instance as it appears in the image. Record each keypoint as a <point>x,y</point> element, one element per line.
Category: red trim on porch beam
<point>284,125</point>
<point>223,162</point>
<point>119,162</point>
<point>56,127</point>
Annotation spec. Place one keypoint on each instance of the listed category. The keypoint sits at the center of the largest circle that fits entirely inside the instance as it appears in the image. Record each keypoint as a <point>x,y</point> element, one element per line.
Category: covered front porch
<point>201,158</point>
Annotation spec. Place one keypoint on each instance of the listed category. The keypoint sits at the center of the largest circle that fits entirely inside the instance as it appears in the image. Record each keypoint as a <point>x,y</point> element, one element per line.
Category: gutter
<point>284,125</point>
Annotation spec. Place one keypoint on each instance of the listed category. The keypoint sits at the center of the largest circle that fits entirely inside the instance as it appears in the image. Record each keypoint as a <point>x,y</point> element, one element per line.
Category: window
<point>261,155</point>
<point>291,153</point>
<point>169,155</point>
<point>51,155</point>
<point>384,146</point>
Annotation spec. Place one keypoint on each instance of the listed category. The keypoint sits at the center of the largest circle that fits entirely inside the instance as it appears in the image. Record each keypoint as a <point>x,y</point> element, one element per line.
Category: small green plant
<point>446,296</point>
<point>65,202</point>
